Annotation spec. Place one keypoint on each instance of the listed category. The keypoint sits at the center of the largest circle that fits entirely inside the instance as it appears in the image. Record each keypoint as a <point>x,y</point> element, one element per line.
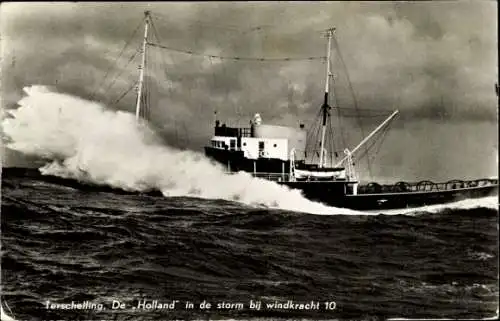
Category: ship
<point>280,153</point>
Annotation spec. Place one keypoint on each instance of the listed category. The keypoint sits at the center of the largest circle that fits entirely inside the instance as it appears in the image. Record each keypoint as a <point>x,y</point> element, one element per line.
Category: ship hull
<point>415,199</point>
<point>335,193</point>
<point>329,193</point>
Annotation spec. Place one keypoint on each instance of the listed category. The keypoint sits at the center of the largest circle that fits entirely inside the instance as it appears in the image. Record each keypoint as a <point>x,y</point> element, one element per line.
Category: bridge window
<point>232,144</point>
<point>244,144</point>
<point>275,145</point>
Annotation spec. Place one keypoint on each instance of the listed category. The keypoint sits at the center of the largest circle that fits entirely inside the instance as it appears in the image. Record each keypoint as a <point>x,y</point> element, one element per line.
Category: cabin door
<point>261,148</point>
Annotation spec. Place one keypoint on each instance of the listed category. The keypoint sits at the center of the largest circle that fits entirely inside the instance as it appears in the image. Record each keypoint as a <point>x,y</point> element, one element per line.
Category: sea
<point>211,246</point>
<point>62,245</point>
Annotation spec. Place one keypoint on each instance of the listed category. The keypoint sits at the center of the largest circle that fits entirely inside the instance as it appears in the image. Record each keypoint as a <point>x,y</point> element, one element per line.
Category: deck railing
<point>286,177</point>
<point>424,186</point>
<point>277,177</point>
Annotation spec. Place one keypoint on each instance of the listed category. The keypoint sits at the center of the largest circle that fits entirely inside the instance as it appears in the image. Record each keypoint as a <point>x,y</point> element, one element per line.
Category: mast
<point>325,107</point>
<point>142,67</point>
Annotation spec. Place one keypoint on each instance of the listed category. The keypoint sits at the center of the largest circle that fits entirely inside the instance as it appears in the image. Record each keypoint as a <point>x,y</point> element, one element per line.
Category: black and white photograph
<point>249,160</point>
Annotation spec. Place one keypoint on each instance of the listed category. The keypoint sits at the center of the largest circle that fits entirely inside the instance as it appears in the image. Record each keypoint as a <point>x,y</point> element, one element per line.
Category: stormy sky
<point>434,61</point>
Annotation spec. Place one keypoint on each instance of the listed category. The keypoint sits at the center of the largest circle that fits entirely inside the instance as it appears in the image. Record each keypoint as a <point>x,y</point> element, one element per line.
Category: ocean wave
<point>489,202</point>
<point>83,140</point>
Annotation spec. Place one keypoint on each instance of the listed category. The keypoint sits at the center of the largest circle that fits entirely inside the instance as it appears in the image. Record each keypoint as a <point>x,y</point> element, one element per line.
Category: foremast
<point>348,160</point>
<point>326,107</point>
<point>142,67</point>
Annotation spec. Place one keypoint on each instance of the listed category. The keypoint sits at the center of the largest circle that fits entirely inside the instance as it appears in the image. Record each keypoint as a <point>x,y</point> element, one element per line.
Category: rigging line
<point>121,72</point>
<point>164,20</point>
<point>339,120</point>
<point>143,102</point>
<point>380,141</point>
<point>146,95</point>
<point>242,33</point>
<point>125,93</point>
<point>366,150</point>
<point>347,115</point>
<point>158,17</point>
<point>310,142</point>
<point>147,102</point>
<point>379,111</point>
<point>310,132</point>
<point>224,66</point>
<point>150,83</point>
<point>374,140</point>
<point>332,140</point>
<point>147,81</point>
<point>384,135</point>
<point>317,142</point>
<point>351,89</point>
<point>334,144</point>
<point>116,60</point>
<point>156,34</point>
<point>215,26</point>
<point>153,81</point>
<point>336,105</point>
<point>318,146</point>
<point>144,98</point>
<point>341,129</point>
<point>366,111</point>
<point>163,63</point>
<point>226,88</point>
<point>379,136</point>
<point>310,128</point>
<point>237,58</point>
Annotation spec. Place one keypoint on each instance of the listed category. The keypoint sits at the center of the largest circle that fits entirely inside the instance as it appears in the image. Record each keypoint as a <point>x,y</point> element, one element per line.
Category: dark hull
<point>330,193</point>
<point>334,193</point>
<point>416,199</point>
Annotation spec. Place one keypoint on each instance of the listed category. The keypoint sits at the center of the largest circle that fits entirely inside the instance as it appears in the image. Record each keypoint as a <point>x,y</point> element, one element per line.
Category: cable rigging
<point>190,52</point>
<point>381,137</point>
<point>116,60</point>
<point>215,26</point>
<point>121,72</point>
<point>339,53</point>
<point>145,99</point>
<point>124,94</point>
